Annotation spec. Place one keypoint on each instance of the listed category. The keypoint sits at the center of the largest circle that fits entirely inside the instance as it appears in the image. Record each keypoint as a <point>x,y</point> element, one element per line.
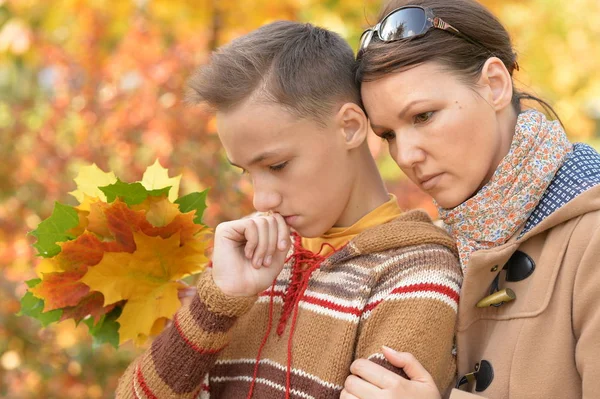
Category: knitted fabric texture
<point>488,219</point>
<point>396,284</point>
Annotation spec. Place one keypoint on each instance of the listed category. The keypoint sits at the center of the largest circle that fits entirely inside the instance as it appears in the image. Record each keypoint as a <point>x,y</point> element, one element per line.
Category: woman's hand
<point>249,253</point>
<point>369,380</point>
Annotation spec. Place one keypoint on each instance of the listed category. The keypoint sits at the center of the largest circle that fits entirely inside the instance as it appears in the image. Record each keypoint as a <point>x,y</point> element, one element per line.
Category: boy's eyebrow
<point>259,158</point>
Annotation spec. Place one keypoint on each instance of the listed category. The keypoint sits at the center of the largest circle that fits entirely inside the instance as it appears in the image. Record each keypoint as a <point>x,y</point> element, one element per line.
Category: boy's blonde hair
<point>307,69</point>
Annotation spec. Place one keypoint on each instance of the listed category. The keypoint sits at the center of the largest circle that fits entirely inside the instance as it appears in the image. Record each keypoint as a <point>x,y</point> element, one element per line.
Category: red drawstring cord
<point>305,263</point>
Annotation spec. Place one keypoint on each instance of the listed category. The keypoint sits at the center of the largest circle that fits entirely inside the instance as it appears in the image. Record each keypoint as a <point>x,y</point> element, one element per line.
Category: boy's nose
<point>266,200</point>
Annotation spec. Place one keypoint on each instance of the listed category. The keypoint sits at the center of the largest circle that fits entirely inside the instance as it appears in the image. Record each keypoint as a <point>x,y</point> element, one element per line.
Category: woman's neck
<point>507,124</point>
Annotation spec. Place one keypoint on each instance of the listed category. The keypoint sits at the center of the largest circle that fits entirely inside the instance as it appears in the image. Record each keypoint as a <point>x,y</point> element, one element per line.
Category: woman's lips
<point>430,182</point>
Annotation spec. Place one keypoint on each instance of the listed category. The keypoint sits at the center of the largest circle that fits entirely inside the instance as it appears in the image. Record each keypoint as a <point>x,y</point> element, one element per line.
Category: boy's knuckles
<point>407,358</point>
<point>392,382</point>
<point>359,365</point>
<point>351,382</point>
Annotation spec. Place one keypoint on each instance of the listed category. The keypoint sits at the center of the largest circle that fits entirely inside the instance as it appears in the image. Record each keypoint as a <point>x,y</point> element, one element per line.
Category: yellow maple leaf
<point>47,265</point>
<point>157,328</point>
<point>86,204</point>
<point>156,177</point>
<point>147,279</point>
<point>88,180</point>
<point>159,210</point>
<point>139,317</point>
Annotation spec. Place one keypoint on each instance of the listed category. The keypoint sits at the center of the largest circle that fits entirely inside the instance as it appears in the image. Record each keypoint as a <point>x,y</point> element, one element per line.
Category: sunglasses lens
<point>403,23</point>
<point>365,39</point>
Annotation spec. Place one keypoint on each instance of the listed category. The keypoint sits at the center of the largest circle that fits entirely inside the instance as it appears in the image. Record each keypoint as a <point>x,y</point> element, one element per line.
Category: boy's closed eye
<point>278,167</point>
<point>274,168</point>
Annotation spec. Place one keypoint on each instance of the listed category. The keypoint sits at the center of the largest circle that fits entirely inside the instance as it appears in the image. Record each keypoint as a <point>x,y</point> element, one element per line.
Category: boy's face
<point>299,169</point>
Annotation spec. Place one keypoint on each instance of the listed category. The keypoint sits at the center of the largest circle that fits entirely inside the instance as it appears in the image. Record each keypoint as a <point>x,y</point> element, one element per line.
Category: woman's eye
<point>423,117</point>
<point>278,167</point>
<point>388,136</point>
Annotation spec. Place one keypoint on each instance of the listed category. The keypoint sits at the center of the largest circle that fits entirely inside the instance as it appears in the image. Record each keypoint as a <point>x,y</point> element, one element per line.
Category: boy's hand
<point>249,253</point>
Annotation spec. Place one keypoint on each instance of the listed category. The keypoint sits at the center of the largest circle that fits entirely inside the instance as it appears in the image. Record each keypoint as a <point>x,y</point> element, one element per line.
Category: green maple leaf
<point>33,307</point>
<point>106,331</point>
<point>193,202</point>
<point>54,229</point>
<point>130,193</point>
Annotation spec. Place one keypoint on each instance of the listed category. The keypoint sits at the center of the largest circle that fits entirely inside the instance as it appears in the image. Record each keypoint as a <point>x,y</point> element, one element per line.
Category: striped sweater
<point>396,284</point>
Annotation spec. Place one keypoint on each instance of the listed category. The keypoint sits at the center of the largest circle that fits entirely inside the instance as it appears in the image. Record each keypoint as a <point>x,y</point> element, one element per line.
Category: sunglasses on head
<point>406,22</point>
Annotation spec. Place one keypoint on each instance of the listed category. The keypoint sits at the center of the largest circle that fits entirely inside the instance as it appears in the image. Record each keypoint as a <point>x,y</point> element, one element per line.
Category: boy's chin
<point>309,232</point>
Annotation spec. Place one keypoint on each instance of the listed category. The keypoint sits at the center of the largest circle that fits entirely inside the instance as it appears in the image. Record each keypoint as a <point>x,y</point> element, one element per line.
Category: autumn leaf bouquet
<point>116,261</point>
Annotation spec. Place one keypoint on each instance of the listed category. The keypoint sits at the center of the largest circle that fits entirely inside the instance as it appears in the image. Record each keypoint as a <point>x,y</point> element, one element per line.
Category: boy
<point>271,321</point>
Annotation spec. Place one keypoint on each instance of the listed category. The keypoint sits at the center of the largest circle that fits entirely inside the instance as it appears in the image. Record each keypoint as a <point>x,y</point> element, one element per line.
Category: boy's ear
<point>495,76</point>
<point>353,124</point>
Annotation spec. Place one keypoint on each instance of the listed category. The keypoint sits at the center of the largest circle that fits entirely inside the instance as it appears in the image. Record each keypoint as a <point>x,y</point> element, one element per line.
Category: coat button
<point>519,267</point>
<point>485,376</point>
<point>497,298</point>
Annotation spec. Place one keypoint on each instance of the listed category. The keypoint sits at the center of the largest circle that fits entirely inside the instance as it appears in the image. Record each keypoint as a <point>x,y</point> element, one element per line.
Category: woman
<point>522,202</point>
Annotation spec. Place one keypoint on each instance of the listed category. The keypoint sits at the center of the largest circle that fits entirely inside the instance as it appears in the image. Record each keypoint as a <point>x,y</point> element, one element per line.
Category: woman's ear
<point>353,124</point>
<point>495,76</point>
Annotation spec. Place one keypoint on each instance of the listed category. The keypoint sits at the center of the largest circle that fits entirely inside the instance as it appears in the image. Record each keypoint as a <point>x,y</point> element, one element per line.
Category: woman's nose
<point>407,153</point>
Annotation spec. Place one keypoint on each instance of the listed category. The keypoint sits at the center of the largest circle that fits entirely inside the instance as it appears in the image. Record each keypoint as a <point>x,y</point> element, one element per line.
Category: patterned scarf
<point>503,205</point>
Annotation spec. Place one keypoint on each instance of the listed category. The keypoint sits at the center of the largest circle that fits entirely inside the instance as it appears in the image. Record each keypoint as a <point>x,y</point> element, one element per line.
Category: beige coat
<point>545,343</point>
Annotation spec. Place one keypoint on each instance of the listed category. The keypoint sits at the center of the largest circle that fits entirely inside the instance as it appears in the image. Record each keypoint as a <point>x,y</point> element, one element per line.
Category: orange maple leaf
<point>183,224</point>
<point>61,289</point>
<point>92,305</point>
<point>117,222</point>
<point>96,218</point>
<point>147,279</point>
<point>60,284</point>
<point>82,252</point>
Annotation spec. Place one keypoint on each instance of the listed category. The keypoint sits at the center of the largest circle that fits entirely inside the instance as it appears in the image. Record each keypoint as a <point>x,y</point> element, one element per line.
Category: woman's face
<point>442,133</point>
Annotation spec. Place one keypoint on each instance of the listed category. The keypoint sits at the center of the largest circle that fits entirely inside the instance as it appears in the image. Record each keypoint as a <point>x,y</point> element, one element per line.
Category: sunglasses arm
<point>441,24</point>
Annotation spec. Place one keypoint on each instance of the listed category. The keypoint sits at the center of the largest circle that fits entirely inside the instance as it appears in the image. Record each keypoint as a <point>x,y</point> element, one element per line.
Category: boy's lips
<point>290,219</point>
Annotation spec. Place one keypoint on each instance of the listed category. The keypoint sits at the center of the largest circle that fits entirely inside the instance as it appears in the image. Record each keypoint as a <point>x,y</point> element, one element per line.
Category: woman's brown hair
<point>458,55</point>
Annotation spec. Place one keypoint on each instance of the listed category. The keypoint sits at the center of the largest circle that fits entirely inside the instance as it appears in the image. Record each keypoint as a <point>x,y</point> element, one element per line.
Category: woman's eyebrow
<point>411,104</point>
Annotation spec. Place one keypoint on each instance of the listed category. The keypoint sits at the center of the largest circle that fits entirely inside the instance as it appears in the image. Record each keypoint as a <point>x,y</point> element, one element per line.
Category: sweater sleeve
<point>179,358</point>
<point>586,317</point>
<point>413,309</point>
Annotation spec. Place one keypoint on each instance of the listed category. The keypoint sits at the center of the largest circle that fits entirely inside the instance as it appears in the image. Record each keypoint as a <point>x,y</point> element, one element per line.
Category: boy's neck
<point>368,191</point>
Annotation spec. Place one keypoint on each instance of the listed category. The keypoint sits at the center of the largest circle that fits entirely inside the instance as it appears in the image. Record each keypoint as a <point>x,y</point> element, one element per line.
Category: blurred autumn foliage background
<point>85,81</point>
